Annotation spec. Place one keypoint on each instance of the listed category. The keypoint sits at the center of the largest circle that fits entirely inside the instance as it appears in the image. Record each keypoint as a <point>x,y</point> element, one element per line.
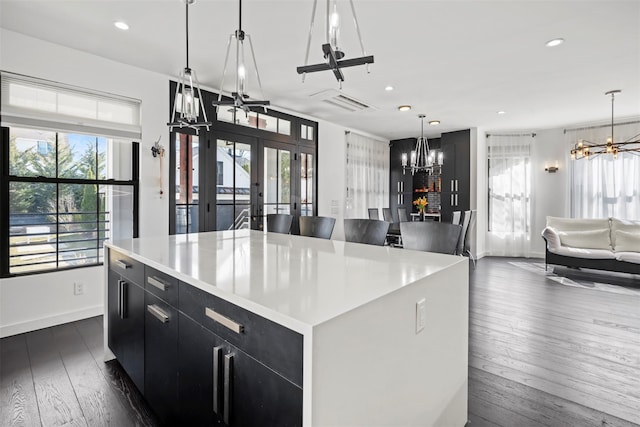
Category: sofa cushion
<point>584,253</point>
<point>633,257</point>
<point>577,224</point>
<point>623,225</point>
<point>591,239</point>
<point>626,241</point>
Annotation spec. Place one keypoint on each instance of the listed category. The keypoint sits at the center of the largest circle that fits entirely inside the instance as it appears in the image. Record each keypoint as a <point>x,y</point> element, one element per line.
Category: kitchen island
<point>253,328</point>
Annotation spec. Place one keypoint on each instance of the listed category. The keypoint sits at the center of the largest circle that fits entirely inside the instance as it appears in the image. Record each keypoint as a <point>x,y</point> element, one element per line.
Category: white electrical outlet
<point>78,288</point>
<point>421,315</point>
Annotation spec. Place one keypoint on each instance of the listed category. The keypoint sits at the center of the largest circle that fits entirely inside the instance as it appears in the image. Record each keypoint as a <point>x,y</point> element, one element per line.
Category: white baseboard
<point>46,322</point>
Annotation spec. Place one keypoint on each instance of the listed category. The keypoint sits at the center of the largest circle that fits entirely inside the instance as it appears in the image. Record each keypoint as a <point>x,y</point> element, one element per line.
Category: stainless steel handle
<point>456,200</point>
<point>157,283</point>
<point>223,320</point>
<point>398,186</point>
<point>452,200</point>
<point>398,198</point>
<point>456,185</point>
<point>158,313</point>
<point>451,185</point>
<point>402,186</point>
<point>402,199</point>
<point>228,384</point>
<point>123,265</point>
<point>217,353</point>
<point>122,297</point>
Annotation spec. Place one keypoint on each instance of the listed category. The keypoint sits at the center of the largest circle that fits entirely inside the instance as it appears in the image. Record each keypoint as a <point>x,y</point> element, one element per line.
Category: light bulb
<point>188,109</point>
<point>580,143</point>
<point>334,27</point>
<point>573,155</point>
<point>404,159</point>
<point>413,158</point>
<point>242,77</point>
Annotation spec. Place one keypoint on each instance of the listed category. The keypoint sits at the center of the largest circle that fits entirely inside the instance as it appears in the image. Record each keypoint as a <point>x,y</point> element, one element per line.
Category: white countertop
<point>296,281</point>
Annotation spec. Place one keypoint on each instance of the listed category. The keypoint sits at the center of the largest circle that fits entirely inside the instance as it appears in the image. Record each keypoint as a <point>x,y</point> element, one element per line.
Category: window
<point>64,190</point>
<point>220,171</point>
<point>603,186</point>
<point>367,175</point>
<point>509,194</point>
<point>255,120</point>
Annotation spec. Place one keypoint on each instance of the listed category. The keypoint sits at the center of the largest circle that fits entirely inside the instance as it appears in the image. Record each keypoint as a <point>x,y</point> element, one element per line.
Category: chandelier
<point>584,149</point>
<point>240,98</point>
<point>187,102</point>
<point>422,158</point>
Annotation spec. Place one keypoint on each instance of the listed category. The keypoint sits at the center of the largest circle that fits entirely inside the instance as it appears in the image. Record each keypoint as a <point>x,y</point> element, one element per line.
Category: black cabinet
<point>456,175</point>
<point>161,357</point>
<point>126,325</point>
<point>401,181</point>
<point>221,384</point>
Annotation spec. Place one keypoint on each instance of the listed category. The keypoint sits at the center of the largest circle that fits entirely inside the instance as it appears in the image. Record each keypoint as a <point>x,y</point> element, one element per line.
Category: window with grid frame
<point>65,188</point>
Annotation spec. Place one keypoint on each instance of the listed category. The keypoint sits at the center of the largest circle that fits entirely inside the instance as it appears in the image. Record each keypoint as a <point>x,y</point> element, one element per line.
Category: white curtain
<point>367,175</point>
<point>510,189</point>
<point>602,186</point>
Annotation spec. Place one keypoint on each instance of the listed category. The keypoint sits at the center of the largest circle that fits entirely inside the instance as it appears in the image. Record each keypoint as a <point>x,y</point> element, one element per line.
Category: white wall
<point>37,301</point>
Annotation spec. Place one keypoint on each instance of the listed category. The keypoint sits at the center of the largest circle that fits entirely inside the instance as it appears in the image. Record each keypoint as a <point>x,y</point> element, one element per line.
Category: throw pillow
<point>592,239</point>
<point>627,241</point>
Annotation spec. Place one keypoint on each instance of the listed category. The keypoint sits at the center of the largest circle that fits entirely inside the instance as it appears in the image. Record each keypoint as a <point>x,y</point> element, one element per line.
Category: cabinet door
<point>126,326</point>
<point>195,374</point>
<point>447,195</point>
<point>161,357</point>
<point>220,384</point>
<point>463,174</point>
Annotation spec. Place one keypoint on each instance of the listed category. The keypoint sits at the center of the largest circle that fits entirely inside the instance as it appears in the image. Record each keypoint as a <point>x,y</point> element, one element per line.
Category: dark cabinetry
<point>456,185</point>
<point>401,182</point>
<point>126,316</point>
<point>198,359</point>
<point>220,383</point>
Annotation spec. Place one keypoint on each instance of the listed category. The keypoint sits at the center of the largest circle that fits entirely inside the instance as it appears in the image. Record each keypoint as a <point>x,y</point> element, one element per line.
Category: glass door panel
<point>187,183</point>
<point>306,184</point>
<point>276,180</point>
<point>234,171</point>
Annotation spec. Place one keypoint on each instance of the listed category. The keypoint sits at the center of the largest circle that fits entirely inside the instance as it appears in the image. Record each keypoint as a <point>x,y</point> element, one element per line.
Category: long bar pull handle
<point>120,298</point>
<point>456,185</point>
<point>217,354</point>
<point>452,185</point>
<point>223,320</point>
<point>158,313</point>
<point>456,199</point>
<point>452,200</point>
<point>123,299</point>
<point>160,284</point>
<point>123,265</point>
<point>228,387</point>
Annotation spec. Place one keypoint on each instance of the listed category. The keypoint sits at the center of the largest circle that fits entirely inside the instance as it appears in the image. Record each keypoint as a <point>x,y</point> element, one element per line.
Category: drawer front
<point>161,285</point>
<point>126,266</point>
<point>272,344</point>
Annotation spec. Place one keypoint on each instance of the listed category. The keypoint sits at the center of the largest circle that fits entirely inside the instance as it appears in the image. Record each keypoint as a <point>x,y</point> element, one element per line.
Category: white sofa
<point>605,244</point>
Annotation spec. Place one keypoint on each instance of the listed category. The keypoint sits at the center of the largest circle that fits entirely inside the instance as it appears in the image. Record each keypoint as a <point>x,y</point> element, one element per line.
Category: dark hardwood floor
<point>542,352</point>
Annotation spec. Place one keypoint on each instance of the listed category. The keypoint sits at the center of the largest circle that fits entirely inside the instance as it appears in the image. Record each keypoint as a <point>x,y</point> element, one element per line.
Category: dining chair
<point>456,217</point>
<point>402,214</point>
<point>430,236</point>
<point>465,225</point>
<point>279,223</point>
<point>369,231</point>
<point>466,245</point>
<point>317,226</point>
<point>387,215</point>
<point>373,213</point>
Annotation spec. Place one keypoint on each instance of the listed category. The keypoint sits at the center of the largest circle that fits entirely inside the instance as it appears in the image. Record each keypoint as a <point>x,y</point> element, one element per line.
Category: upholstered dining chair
<point>465,226</point>
<point>402,214</point>
<point>466,246</point>
<point>369,231</point>
<point>279,223</point>
<point>387,215</point>
<point>373,213</point>
<point>430,236</point>
<point>317,226</point>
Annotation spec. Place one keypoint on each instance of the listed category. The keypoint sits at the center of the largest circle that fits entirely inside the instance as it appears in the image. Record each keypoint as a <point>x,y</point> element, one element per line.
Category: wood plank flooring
<point>540,354</point>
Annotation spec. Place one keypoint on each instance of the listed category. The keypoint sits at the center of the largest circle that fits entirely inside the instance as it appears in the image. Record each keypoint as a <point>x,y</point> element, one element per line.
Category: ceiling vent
<point>341,100</point>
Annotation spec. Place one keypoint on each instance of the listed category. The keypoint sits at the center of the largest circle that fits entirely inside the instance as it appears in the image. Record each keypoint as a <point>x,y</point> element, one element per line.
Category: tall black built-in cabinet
<point>456,175</point>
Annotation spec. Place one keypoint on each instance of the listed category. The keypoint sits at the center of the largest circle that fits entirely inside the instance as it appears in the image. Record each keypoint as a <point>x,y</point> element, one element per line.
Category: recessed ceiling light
<point>121,25</point>
<point>404,107</point>
<point>388,88</point>
<point>434,122</point>
<point>501,112</point>
<point>554,42</point>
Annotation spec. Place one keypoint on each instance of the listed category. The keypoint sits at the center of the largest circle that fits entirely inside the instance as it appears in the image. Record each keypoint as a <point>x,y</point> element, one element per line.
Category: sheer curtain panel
<point>367,175</point>
<point>510,190</point>
<point>601,186</point>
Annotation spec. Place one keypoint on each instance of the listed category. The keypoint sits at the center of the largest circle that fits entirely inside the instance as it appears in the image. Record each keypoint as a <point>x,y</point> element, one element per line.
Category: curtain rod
<point>533,135</point>
<point>608,125</point>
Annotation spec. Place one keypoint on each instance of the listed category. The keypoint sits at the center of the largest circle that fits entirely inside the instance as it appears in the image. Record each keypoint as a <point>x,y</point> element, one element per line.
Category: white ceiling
<point>456,61</point>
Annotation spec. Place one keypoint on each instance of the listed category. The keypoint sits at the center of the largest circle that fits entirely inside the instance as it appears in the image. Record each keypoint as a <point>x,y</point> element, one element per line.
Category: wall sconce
<point>551,169</point>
